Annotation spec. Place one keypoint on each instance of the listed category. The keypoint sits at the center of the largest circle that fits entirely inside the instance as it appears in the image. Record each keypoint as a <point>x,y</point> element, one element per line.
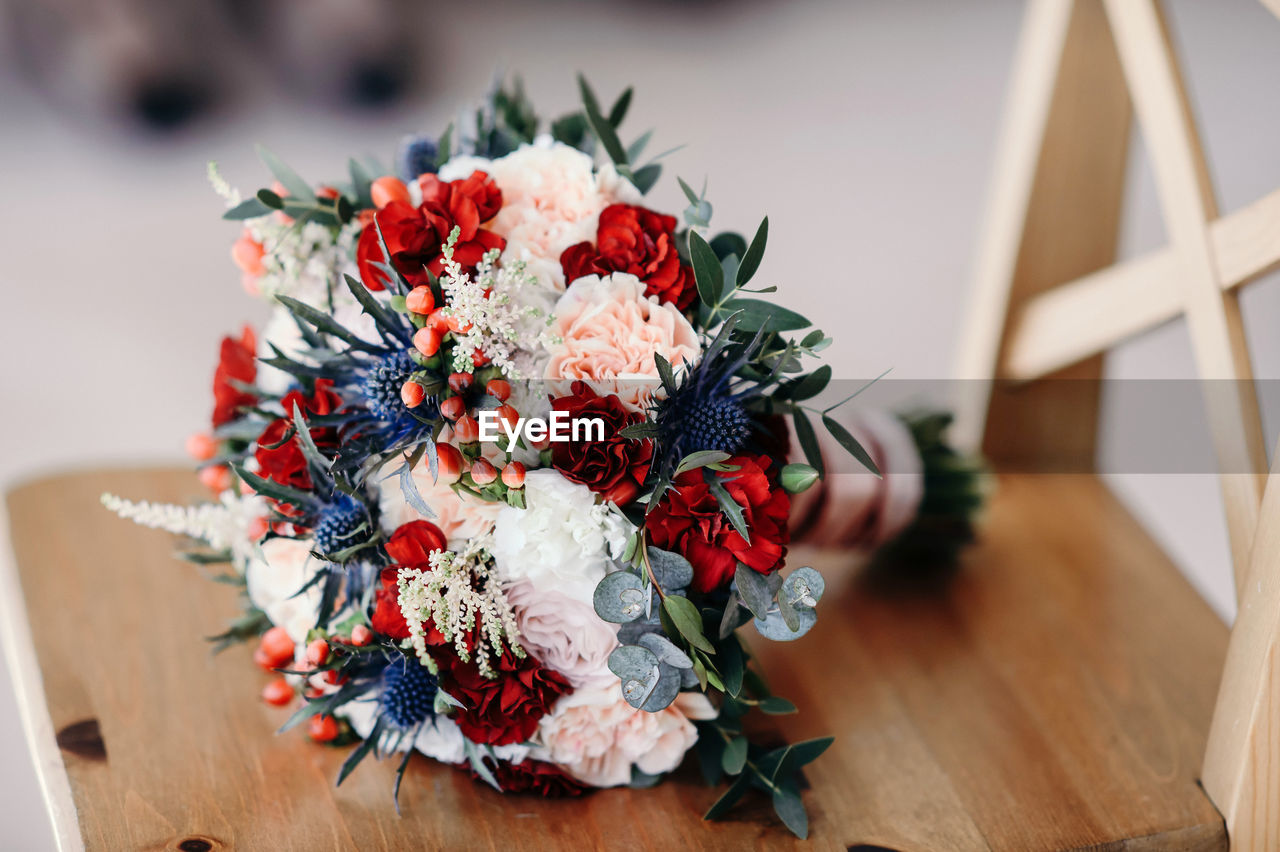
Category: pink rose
<point>596,736</point>
<point>610,333</point>
<point>564,633</point>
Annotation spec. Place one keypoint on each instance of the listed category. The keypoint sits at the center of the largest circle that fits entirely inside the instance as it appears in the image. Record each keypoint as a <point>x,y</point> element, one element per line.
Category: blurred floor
<point>863,129</point>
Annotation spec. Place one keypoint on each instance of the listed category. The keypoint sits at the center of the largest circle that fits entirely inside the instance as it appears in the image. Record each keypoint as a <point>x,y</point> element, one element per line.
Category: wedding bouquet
<point>506,472</point>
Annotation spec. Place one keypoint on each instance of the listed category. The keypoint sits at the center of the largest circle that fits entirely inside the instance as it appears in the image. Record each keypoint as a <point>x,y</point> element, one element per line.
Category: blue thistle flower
<point>338,522</point>
<point>417,156</point>
<point>408,693</point>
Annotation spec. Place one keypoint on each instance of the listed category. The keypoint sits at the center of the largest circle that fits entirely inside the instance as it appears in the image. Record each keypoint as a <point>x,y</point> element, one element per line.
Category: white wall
<point>863,129</point>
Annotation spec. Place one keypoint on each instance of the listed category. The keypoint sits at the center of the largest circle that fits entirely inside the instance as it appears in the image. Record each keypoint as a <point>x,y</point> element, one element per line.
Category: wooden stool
<point>1058,695</point>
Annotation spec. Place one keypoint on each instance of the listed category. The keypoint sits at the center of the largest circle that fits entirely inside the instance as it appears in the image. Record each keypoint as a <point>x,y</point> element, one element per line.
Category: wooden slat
<point>1059,697</point>
<point>1092,314</point>
<point>1242,762</point>
<point>1213,315</point>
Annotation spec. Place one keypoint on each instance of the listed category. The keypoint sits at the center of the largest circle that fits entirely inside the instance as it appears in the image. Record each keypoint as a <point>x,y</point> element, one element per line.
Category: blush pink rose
<point>564,634</point>
<point>610,333</point>
<point>597,737</point>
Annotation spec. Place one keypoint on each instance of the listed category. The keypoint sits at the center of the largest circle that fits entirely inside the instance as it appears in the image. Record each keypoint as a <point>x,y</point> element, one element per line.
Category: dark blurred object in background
<point>162,63</point>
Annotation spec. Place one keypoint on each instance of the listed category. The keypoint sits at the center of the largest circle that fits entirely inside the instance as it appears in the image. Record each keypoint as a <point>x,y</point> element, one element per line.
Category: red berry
<point>453,408</point>
<point>449,467</point>
<point>438,321</point>
<point>482,472</point>
<point>466,430</point>
<point>508,414</point>
<point>461,382</point>
<point>323,729</point>
<point>420,300</point>
<point>216,478</point>
<point>361,636</point>
<point>513,475</point>
<point>201,446</point>
<point>387,189</point>
<point>333,677</point>
<point>412,394</point>
<point>479,358</point>
<point>427,341</point>
<point>499,389</point>
<point>277,647</point>
<point>277,692</point>
<point>317,652</point>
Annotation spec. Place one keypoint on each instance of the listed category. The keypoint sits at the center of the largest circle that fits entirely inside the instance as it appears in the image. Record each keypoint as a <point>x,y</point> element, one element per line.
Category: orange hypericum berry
<point>257,529</point>
<point>513,475</point>
<point>508,415</point>
<point>361,636</point>
<point>482,472</point>
<point>277,692</point>
<point>466,429</point>
<point>461,382</point>
<point>387,189</point>
<point>437,320</point>
<point>317,652</point>
<point>216,478</point>
<point>499,389</point>
<point>427,341</point>
<point>322,729</point>
<point>201,446</point>
<point>453,408</point>
<point>333,677</point>
<point>420,300</point>
<point>276,647</point>
<point>449,465</point>
<point>412,394</point>
<point>479,358</point>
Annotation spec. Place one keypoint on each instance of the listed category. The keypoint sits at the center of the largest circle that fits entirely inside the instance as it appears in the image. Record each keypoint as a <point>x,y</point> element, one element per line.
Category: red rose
<point>504,709</point>
<point>284,462</point>
<point>236,364</point>
<point>688,521</point>
<point>531,776</point>
<point>615,468</point>
<point>414,235</point>
<point>410,546</point>
<point>641,242</point>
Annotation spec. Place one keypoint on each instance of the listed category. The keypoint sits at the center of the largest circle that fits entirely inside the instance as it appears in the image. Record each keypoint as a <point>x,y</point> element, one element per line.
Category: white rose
<point>597,737</point>
<point>562,541</point>
<point>274,575</point>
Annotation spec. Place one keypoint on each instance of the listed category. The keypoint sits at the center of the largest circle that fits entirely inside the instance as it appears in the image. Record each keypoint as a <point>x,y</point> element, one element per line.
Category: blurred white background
<point>865,130</point>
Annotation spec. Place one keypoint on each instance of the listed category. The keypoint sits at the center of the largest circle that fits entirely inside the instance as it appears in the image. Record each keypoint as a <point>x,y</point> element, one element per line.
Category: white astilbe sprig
<point>492,311</point>
<point>456,594</point>
<point>222,526</point>
<point>226,191</point>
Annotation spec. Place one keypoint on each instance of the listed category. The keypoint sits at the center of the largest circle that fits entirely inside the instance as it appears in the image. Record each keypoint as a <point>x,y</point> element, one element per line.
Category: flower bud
<point>427,341</point>
<point>450,462</point>
<point>513,475</point>
<point>201,446</point>
<point>466,430</point>
<point>499,389</point>
<point>482,472</point>
<point>387,189</point>
<point>412,394</point>
<point>322,729</point>
<point>508,415</point>
<point>453,408</point>
<point>438,321</point>
<point>361,636</point>
<point>217,478</point>
<point>247,254</point>
<point>276,648</point>
<point>420,300</point>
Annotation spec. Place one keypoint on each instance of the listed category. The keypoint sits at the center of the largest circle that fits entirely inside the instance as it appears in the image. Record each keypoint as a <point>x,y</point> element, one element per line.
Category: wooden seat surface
<point>1057,696</point>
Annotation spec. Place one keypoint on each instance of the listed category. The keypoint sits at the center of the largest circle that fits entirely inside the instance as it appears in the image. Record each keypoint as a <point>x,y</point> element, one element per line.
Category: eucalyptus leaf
<point>811,385</point>
<point>733,664</point>
<point>753,589</point>
<point>761,314</point>
<point>734,757</point>
<point>751,260</point>
<point>707,273</point>
<point>665,651</point>
<point>684,614</point>
<point>671,570</point>
<point>850,443</point>
<point>808,441</point>
<point>776,706</point>
<point>730,797</point>
<point>803,587</point>
<point>250,208</point>
<point>645,177</point>
<point>775,628</point>
<point>790,809</point>
<point>298,188</point>
<point>619,597</point>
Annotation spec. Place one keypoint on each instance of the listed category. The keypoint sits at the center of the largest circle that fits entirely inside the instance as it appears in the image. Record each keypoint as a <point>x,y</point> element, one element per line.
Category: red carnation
<point>281,460</point>
<point>615,467</point>
<point>688,520</point>
<point>639,241</point>
<point>387,618</point>
<point>236,365</point>
<point>504,709</point>
<point>531,776</point>
<point>414,235</point>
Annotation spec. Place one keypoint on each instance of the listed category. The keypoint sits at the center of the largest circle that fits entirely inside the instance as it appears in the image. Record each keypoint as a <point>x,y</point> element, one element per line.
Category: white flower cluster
<point>493,311</point>
<point>452,594</point>
<point>223,525</point>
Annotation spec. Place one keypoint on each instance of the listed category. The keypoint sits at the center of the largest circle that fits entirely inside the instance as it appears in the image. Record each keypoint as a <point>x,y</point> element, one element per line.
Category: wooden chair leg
<point>1054,216</point>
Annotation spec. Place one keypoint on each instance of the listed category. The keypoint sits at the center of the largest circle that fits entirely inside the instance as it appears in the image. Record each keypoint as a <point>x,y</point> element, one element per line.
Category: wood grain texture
<point>1057,697</point>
